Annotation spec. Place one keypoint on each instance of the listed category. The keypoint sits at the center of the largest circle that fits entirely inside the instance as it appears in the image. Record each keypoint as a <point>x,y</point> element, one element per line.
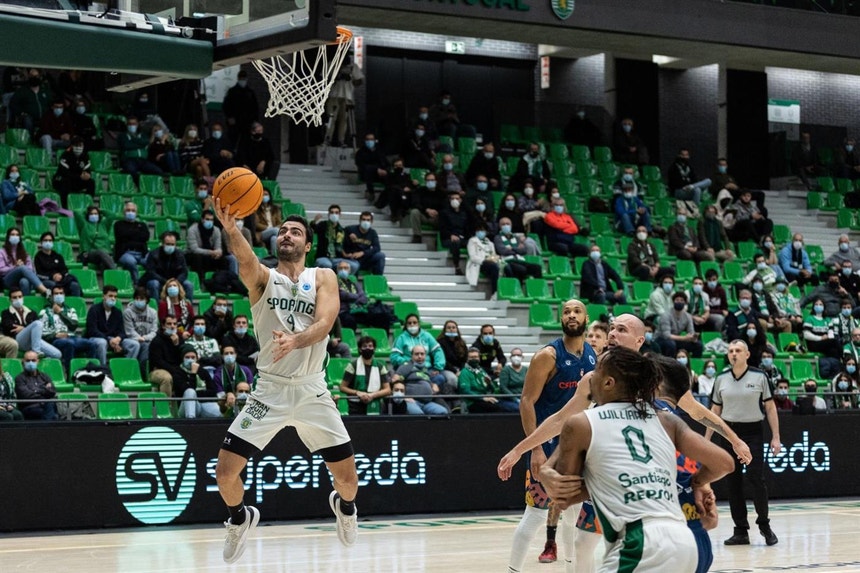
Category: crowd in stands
<point>672,251</point>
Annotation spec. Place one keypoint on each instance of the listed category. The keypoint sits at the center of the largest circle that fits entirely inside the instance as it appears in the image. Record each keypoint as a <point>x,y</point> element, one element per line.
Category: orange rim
<point>344,35</point>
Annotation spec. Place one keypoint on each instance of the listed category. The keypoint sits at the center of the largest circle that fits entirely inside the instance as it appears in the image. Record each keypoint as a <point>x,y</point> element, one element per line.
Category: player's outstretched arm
<point>325,313</point>
<point>713,422</point>
<point>253,274</point>
<point>550,428</point>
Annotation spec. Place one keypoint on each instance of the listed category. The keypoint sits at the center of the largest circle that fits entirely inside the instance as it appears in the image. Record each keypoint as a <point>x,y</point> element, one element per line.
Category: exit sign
<point>455,47</point>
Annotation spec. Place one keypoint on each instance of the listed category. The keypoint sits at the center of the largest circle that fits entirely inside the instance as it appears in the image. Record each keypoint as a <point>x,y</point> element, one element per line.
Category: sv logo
<point>156,475</point>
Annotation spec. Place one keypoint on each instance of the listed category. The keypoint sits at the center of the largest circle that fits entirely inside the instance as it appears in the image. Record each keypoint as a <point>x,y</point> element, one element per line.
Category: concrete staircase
<point>817,227</point>
<point>415,272</point>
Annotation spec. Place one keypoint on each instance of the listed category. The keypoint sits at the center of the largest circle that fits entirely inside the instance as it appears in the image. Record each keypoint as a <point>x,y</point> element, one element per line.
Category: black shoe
<point>459,271</point>
<point>738,539</point>
<point>769,536</point>
<point>417,239</point>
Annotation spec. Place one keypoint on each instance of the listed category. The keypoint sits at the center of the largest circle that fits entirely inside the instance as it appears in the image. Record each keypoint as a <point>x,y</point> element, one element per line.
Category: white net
<point>299,83</point>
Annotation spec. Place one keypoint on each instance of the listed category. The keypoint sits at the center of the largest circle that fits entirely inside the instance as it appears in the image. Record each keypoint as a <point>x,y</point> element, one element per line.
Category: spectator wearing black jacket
<point>597,281</point>
<point>361,243</point>
<point>485,163</point>
<point>255,152</point>
<point>455,228</point>
<point>426,204</point>
<point>192,382</point>
<point>490,350</point>
<point>218,148</point>
<point>417,152</point>
<point>34,385</point>
<point>166,263</point>
<point>74,172</point>
<point>398,191</point>
<point>240,107</point>
<point>131,237</point>
<point>219,319</point>
<point>164,356</point>
<point>85,127</point>
<point>106,329</point>
<point>371,164</point>
<point>247,347</point>
<point>51,267</point>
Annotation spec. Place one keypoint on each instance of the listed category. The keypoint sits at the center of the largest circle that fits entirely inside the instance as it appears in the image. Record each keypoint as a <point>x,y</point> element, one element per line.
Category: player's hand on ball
<point>285,342</point>
<point>228,220</point>
<point>506,464</point>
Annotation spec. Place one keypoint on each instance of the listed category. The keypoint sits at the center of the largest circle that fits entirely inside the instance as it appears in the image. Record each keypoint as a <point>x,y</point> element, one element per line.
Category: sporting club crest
<point>562,8</point>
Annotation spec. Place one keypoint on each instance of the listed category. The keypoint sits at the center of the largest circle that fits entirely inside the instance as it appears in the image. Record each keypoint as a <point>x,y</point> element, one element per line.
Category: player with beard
<point>294,309</point>
<point>552,380</point>
<point>627,331</point>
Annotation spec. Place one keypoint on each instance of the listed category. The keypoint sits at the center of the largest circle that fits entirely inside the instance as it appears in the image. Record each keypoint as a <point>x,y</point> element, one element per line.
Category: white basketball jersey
<point>630,467</point>
<point>289,307</point>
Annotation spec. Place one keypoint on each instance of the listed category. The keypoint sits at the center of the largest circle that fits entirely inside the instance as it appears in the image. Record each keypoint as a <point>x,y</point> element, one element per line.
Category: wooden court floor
<point>821,535</point>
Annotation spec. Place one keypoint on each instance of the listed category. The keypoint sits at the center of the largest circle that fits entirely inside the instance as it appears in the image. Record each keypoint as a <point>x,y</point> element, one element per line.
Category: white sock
<point>567,529</point>
<point>532,521</point>
<point>586,542</point>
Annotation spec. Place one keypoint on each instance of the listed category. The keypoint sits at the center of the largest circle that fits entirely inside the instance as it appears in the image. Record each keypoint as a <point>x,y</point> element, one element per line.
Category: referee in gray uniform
<point>737,397</point>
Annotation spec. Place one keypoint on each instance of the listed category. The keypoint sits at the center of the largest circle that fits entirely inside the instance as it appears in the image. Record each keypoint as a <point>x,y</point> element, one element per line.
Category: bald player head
<point>627,331</point>
<point>574,318</point>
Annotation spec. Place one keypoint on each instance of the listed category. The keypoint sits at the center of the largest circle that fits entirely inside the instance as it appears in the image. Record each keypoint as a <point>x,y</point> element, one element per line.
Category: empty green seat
<point>67,230</point>
<point>334,370</point>
<point>541,314</point>
<point>34,226</point>
<point>89,283</point>
<point>559,267</point>
<point>38,158</point>
<point>405,308</point>
<point>376,286</point>
<point>182,186</point>
<point>153,405</point>
<point>121,183</point>
<point>510,289</point>
<point>114,406</point>
<point>102,162</point>
<point>538,289</point>
<point>152,185</point>
<point>602,154</point>
<point>126,373</point>
<point>16,137</point>
<point>121,279</point>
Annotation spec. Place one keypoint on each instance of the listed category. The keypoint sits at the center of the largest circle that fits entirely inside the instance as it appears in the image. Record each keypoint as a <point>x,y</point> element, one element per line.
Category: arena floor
<point>820,535</point>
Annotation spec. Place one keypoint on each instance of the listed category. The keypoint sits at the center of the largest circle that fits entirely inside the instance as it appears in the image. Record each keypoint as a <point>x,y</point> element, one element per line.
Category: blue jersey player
<point>552,379</point>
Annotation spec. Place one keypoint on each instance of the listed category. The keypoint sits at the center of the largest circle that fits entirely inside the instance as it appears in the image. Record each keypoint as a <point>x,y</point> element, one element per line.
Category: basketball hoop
<point>299,83</point>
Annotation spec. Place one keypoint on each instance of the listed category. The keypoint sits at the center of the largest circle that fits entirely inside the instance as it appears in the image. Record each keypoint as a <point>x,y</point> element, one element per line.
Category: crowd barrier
<point>89,474</point>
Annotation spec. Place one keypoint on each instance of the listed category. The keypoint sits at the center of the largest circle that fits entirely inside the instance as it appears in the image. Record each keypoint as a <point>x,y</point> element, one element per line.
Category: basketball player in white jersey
<point>293,310</point>
<point>629,472</point>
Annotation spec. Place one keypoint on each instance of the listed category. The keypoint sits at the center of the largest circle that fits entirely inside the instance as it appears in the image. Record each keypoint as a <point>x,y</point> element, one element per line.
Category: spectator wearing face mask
<point>844,252</point>
<point>794,261</point>
<point>56,128</point>
<point>32,384</point>
<point>818,332</point>
<point>233,381</point>
<point>643,261</point>
<point>367,380</point>
<point>254,152</point>
<point>561,230</point>
<point>361,244</point>
<point>396,404</point>
<point>684,242</point>
<point>677,331</point>
<point>481,214</point>
<point>219,150</point>
<point>534,208</point>
<point>240,107</point>
<point>193,382</point>
<point>269,219</point>
<point>712,236</point>
<point>372,164</point>
<point>454,348</point>
<point>705,383</point>
<point>399,188</point>
<point>787,305</point>
<point>105,327</point>
<point>699,307</point>
<point>683,181</point>
<point>476,385</point>
<point>627,182</point>
<point>630,210</point>
<point>417,152</point>
<point>247,347</point>
<point>660,300</point>
<point>845,388</point>
<point>163,264</point>
<point>627,146</point>
<point>746,314</point>
<point>74,173</point>
<point>512,378</point>
<point>532,166</point>
<point>443,113</point>
<point>513,248</point>
<point>455,227</point>
<point>780,397</point>
<point>600,282</point>
<point>485,163</point>
<point>848,160</point>
<point>845,323</point>
<point>330,235</point>
<point>810,402</point>
<point>761,272</point>
<point>415,374</point>
<point>427,202</point>
<point>450,180</point>
<point>51,267</point>
<point>483,259</point>
<point>162,150</point>
<point>651,344</point>
<point>756,339</point>
<point>491,354</point>
<point>770,369</point>
<point>767,308</point>
<point>208,351</point>
<point>830,294</point>
<point>849,280</point>
<point>413,335</point>
<point>164,356</point>
<point>132,238</point>
<point>140,322</point>
<point>133,151</point>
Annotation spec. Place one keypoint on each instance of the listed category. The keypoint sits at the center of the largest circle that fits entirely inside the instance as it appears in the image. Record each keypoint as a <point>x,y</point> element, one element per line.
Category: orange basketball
<point>241,189</point>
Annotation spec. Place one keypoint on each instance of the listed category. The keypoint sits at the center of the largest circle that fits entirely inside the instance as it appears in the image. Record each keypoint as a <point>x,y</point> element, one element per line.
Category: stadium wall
<point>92,474</point>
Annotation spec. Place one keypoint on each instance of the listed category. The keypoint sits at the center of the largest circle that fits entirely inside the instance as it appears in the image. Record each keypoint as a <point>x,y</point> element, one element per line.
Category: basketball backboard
<point>146,42</point>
